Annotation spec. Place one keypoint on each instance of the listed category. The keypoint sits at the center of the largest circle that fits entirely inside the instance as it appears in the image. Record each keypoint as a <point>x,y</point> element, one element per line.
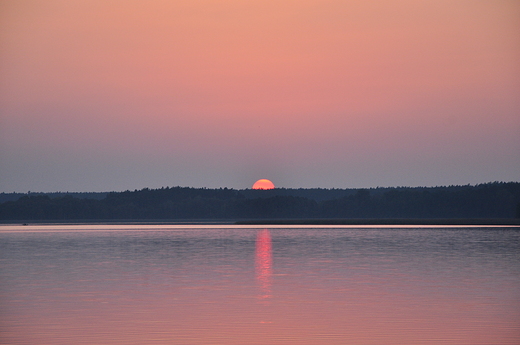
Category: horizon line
<point>264,190</point>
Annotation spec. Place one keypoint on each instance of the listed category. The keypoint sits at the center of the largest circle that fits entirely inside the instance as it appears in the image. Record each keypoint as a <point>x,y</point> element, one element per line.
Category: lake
<point>225,284</point>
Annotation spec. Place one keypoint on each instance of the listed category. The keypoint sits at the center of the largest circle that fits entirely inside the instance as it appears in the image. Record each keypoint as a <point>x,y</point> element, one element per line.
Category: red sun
<point>263,184</point>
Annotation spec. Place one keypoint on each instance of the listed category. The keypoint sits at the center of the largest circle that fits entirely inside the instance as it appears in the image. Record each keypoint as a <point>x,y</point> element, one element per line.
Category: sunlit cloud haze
<point>114,95</point>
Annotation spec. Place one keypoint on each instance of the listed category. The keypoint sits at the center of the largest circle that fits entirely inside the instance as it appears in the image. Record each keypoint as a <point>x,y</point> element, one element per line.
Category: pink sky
<point>113,95</point>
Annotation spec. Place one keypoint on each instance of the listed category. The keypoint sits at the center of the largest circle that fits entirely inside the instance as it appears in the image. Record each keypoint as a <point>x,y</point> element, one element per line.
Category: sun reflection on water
<point>264,262</point>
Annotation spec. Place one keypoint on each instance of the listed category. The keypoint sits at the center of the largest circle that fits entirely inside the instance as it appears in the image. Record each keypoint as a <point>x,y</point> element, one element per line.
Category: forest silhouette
<point>489,200</point>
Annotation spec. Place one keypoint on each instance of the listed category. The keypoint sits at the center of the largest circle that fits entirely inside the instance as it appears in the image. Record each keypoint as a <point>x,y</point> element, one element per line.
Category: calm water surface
<point>107,284</point>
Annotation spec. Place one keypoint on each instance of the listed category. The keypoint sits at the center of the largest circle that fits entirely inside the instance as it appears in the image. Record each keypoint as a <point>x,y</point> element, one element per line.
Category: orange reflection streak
<point>264,262</point>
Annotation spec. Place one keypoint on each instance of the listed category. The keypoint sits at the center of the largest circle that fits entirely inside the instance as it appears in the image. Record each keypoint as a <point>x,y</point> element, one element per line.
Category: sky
<point>110,95</point>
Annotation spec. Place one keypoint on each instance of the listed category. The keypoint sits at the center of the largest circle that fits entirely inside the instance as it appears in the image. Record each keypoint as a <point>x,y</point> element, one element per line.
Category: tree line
<point>490,200</point>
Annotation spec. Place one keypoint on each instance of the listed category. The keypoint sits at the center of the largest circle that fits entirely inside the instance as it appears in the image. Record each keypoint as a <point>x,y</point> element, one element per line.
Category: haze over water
<point>103,284</point>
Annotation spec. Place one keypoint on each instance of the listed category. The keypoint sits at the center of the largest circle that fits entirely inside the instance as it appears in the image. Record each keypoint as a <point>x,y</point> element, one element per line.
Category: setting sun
<point>263,184</point>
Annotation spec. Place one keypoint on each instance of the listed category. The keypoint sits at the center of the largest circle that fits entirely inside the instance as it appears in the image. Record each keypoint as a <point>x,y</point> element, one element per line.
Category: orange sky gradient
<point>114,95</point>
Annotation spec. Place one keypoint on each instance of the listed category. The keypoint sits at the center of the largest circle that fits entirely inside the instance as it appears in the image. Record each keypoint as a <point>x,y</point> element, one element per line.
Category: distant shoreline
<point>385,221</point>
<point>330,221</point>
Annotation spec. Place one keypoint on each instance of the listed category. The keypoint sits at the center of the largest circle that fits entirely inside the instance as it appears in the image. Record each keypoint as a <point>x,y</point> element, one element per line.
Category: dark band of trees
<point>490,200</point>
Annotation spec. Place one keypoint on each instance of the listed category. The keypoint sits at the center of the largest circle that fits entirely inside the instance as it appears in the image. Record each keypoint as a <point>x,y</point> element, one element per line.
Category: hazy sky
<point>100,95</point>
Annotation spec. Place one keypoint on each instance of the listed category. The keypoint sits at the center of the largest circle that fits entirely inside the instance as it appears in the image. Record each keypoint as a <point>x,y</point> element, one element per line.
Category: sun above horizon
<point>263,184</point>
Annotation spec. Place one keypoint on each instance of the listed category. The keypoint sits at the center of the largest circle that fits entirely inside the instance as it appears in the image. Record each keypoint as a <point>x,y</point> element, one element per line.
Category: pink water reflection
<point>264,262</point>
<point>198,288</point>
